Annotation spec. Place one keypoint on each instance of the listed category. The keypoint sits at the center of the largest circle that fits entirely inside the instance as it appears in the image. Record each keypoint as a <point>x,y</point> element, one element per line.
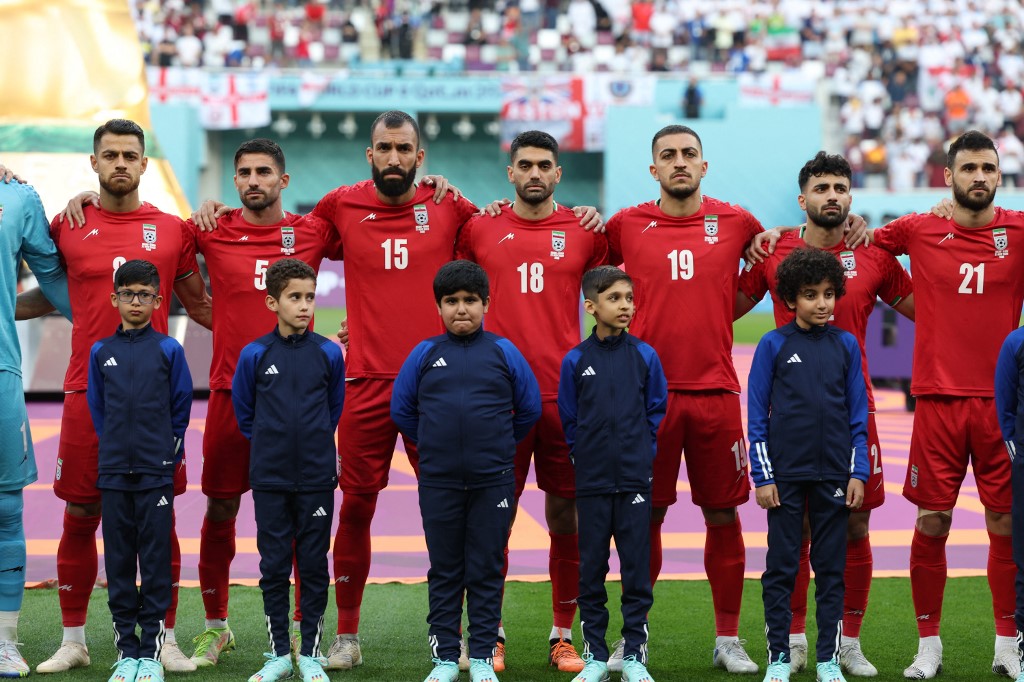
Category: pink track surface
<point>400,554</point>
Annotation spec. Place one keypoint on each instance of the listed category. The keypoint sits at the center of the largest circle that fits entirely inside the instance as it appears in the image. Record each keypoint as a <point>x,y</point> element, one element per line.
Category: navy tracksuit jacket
<point>807,417</point>
<point>465,401</point>
<point>288,394</point>
<point>612,396</point>
<point>140,396</point>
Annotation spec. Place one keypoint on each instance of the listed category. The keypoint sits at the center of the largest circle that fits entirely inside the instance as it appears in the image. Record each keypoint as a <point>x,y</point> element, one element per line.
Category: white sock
<point>719,641</point>
<point>296,625</point>
<point>1000,641</point>
<point>75,634</point>
<point>560,633</point>
<point>9,626</point>
<point>169,637</point>
<point>798,637</point>
<point>934,642</point>
<point>853,640</point>
<point>216,623</point>
<point>501,632</point>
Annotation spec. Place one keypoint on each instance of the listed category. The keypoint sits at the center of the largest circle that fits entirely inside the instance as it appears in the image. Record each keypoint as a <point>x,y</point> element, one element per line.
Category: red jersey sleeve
<point>187,262</point>
<point>55,232</point>
<point>613,232</point>
<point>331,238</point>
<point>754,281</point>
<point>464,240</point>
<point>327,208</point>
<point>895,282</point>
<point>600,254</point>
<point>895,237</point>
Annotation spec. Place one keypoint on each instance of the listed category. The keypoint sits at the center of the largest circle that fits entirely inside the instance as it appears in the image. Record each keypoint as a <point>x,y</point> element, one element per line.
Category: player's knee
<point>998,522</point>
<point>857,527</point>
<point>84,510</point>
<point>222,509</point>
<point>560,514</point>
<point>719,517</point>
<point>357,509</point>
<point>12,550</point>
<point>934,523</point>
<point>11,508</point>
<point>658,515</point>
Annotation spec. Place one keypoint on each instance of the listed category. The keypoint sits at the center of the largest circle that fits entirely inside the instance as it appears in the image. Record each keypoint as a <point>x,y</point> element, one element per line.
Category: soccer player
<point>535,256</point>
<point>869,274</point>
<point>122,228</point>
<point>968,300</point>
<point>683,252</point>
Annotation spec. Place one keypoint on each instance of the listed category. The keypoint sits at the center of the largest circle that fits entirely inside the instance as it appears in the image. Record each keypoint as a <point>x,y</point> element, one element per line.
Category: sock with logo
<point>564,568</point>
<point>656,549</point>
<point>352,557</point>
<point>12,553</point>
<point>724,561</point>
<point>172,610</point>
<point>798,600</point>
<point>216,551</point>
<point>1002,573</point>
<point>77,567</point>
<point>928,581</point>
<point>859,566</point>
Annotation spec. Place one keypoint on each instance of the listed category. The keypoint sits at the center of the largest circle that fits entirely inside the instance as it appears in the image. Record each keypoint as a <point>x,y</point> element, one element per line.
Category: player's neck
<point>271,215</point>
<point>965,217</point>
<point>399,200</point>
<point>116,204</point>
<point>528,211</point>
<point>821,237</point>
<point>680,208</point>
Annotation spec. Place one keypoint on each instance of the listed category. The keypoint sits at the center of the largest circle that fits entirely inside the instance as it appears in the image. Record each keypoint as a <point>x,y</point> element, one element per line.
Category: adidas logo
<point>639,499</point>
<point>503,504</point>
<point>320,512</point>
<point>110,363</point>
<point>272,370</point>
<point>589,372</point>
<point>163,502</point>
<point>794,358</point>
<point>440,363</point>
<point>838,493</point>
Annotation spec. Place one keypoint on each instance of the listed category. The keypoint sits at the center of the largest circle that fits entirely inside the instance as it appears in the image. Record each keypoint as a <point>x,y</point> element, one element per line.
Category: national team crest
<point>1002,243</point>
<point>711,229</point>
<point>849,262</point>
<point>148,237</point>
<point>287,240</point>
<point>557,244</point>
<point>419,211</point>
<point>913,476</point>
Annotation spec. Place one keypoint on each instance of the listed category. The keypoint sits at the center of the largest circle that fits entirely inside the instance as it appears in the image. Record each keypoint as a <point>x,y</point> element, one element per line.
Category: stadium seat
<point>456,21</point>
<point>548,39</point>
<point>453,53</point>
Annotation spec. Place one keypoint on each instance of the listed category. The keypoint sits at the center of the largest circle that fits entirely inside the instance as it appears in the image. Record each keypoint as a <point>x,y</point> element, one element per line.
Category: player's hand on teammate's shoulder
<point>343,333</point>
<point>6,175</point>
<point>944,209</point>
<point>493,209</point>
<point>763,245</point>
<point>441,187</point>
<point>590,219</point>
<point>73,213</point>
<point>205,217</point>
<point>856,232</point>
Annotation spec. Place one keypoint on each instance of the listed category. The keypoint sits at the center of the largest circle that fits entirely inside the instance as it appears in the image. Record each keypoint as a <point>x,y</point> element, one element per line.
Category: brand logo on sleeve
<point>148,237</point>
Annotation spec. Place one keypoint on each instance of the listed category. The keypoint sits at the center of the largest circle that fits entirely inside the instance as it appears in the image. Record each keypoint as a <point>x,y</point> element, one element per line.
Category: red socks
<point>928,581</point>
<point>77,567</point>
<point>1002,573</point>
<point>564,568</point>
<point>859,566</point>
<point>352,557</point>
<point>172,611</point>
<point>216,551</point>
<point>724,561</point>
<point>656,549</point>
<point>798,600</point>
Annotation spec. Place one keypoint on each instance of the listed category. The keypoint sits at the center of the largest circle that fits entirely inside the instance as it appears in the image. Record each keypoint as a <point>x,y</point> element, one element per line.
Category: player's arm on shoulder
<point>198,303</point>
<point>494,208</point>
<point>74,214</point>
<point>905,306</point>
<point>763,243</point>
<point>33,303</point>
<point>441,187</point>
<point>1007,383</point>
<point>205,217</point>
<point>7,175</point>
<point>590,219</point>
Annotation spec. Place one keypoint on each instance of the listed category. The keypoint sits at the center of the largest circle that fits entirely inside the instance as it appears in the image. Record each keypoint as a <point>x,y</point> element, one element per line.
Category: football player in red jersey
<point>870,273</point>
<point>683,252</point>
<point>535,256</point>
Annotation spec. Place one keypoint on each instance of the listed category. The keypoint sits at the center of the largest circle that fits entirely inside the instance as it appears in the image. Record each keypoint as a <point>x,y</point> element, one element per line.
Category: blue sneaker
<point>481,670</point>
<point>125,670</point>
<point>634,671</point>
<point>150,670</point>
<point>276,668</point>
<point>593,671</point>
<point>777,672</point>
<point>829,672</point>
<point>312,668</point>
<point>444,671</point>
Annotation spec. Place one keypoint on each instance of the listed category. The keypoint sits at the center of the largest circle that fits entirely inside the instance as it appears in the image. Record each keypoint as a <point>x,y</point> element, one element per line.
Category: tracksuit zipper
<point>131,403</point>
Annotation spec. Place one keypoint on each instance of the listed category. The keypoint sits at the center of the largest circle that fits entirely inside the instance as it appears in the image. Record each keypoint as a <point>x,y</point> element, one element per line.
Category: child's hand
<point>768,496</point>
<point>855,493</point>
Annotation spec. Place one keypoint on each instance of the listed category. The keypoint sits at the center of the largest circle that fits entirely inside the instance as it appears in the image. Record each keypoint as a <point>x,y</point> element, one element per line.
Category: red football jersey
<point>967,295</point>
<point>535,268</point>
<point>238,254</point>
<point>391,256</point>
<point>92,254</point>
<point>685,273</point>
<point>870,274</point>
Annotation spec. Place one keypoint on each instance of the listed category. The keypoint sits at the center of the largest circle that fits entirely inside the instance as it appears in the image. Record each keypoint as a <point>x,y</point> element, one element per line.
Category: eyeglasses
<point>145,297</point>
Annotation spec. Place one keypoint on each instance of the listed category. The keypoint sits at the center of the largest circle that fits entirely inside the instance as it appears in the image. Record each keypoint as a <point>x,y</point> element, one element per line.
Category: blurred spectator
<point>189,47</point>
<point>530,15</point>
<point>475,34</point>
<point>315,12</point>
<point>514,34</point>
<point>659,60</point>
<point>642,12</point>
<point>693,99</point>
<point>583,20</point>
<point>276,24</point>
<point>958,109</point>
<point>1011,156</point>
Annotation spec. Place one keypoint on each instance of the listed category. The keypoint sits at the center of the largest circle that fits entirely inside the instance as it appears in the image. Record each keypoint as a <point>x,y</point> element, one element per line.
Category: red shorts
<point>874,489</point>
<point>366,437</point>
<point>707,428</point>
<point>74,480</point>
<point>948,433</point>
<point>225,450</point>
<point>546,444</point>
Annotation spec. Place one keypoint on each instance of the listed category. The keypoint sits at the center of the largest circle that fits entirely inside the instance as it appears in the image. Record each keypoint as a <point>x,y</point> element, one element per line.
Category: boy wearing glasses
<point>139,394</point>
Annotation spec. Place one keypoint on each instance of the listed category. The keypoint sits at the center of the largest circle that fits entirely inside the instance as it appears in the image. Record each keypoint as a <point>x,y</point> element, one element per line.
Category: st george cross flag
<point>235,100</point>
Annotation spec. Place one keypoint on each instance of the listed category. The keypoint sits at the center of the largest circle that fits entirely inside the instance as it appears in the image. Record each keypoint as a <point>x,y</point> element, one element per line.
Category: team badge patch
<point>60,466</point>
<point>419,211</point>
<point>148,237</point>
<point>913,476</point>
<point>557,244</point>
<point>849,262</point>
<point>287,240</point>
<point>711,229</point>
<point>1001,242</point>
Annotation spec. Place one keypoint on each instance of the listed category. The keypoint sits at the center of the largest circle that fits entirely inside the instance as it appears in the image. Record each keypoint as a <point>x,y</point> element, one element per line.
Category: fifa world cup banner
<point>554,104</point>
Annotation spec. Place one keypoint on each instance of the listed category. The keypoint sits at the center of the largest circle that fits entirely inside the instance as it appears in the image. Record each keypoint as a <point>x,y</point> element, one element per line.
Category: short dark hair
<point>285,270</point>
<point>971,141</point>
<point>533,138</point>
<point>461,275</point>
<point>824,164</point>
<point>676,129</point>
<point>118,126</point>
<point>395,119</point>
<point>600,278</point>
<point>809,267</point>
<point>137,272</point>
<point>261,145</point>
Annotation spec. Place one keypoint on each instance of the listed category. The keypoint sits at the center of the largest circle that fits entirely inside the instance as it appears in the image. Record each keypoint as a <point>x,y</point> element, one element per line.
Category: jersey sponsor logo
<point>272,370</point>
<point>111,362</point>
<point>148,236</point>
<point>793,358</point>
<point>503,504</point>
<point>1001,242</point>
<point>589,372</point>
<point>91,233</point>
<point>849,262</point>
<point>839,493</point>
<point>653,223</point>
<point>440,363</point>
<point>557,244</point>
<point>949,235</point>
<point>163,501</point>
<point>287,240</point>
<point>913,476</point>
<point>419,212</point>
<point>369,216</point>
<point>510,235</point>
<point>711,229</point>
<point>639,499</point>
<point>243,238</point>
<point>165,462</point>
<point>319,512</point>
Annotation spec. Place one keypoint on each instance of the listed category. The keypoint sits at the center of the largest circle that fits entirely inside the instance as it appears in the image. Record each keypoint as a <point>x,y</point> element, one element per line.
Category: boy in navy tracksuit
<point>807,416</point>
<point>612,395</point>
<point>465,398</point>
<point>140,395</point>
<point>287,392</point>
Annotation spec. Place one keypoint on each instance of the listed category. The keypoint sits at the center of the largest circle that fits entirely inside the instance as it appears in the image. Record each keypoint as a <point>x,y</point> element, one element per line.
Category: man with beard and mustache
<point>122,228</point>
<point>683,253</point>
<point>535,256</point>
<point>825,195</point>
<point>969,297</point>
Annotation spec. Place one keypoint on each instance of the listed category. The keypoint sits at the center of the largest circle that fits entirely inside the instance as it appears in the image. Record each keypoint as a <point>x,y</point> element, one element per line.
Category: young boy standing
<point>611,398</point>
<point>465,398</point>
<point>140,395</point>
<point>288,391</point>
<point>806,380</point>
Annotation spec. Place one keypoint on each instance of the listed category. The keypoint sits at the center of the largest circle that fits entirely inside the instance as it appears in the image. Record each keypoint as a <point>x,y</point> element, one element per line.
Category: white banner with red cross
<point>235,100</point>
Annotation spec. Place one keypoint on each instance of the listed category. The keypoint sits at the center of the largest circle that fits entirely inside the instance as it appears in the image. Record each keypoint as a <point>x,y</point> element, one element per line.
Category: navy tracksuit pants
<point>1017,514</point>
<point>627,518</point>
<point>466,533</point>
<point>136,536</point>
<point>825,503</point>
<point>294,524</point>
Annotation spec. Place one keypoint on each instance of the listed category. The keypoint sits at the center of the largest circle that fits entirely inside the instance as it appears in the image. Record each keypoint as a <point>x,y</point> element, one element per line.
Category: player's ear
<point>145,163</point>
<point>285,179</point>
<point>802,201</point>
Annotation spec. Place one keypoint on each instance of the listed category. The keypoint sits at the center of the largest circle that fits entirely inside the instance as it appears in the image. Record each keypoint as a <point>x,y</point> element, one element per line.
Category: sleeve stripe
<point>766,464</point>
